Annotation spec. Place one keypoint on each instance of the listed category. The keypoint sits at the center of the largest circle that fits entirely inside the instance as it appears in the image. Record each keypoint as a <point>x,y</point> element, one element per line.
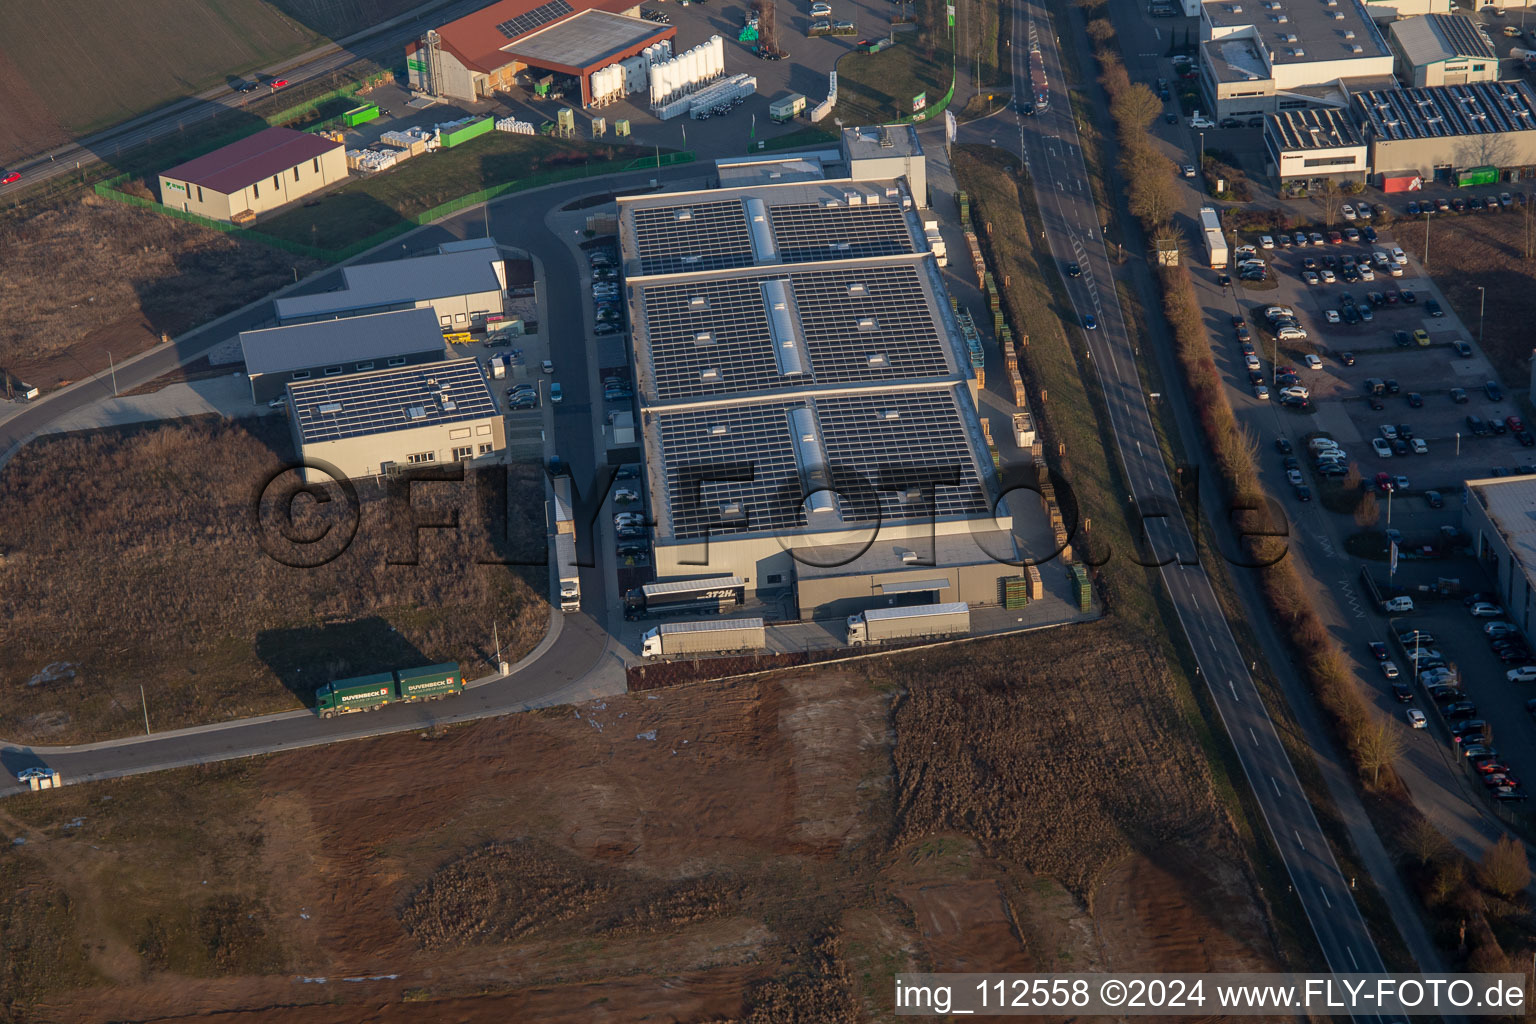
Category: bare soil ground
<point>89,276</point>
<point>761,859</point>
<point>28,125</point>
<point>142,556</point>
<point>1485,249</point>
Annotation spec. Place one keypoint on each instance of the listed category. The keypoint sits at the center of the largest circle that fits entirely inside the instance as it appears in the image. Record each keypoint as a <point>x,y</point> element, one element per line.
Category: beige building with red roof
<point>480,53</point>
<point>259,173</point>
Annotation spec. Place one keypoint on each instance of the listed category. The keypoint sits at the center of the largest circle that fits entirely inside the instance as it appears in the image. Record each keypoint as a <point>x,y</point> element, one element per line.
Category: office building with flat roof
<point>1321,142</point>
<point>380,423</point>
<point>808,410</point>
<point>1440,130</point>
<point>1258,57</point>
<point>1442,49</point>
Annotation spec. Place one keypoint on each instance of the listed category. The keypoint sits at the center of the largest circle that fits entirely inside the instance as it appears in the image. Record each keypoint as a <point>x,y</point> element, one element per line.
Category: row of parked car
<point>609,310</point>
<point>1471,735</point>
<point>1504,200</point>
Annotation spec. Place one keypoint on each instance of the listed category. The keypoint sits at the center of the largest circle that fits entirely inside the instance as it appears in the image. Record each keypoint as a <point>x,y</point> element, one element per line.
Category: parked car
<point>1485,610</point>
<point>1416,719</point>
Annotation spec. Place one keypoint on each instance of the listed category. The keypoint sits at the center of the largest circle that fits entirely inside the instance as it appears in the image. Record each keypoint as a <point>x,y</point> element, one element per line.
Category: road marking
<point>1272,782</point>
<point>1298,839</point>
<point>1325,898</point>
<point>1234,691</point>
<point>1351,951</point>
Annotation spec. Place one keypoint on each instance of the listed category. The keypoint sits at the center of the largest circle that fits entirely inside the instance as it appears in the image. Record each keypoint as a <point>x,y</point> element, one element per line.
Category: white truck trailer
<point>710,636</point>
<point>936,242</point>
<point>886,625</point>
<point>569,572</point>
<point>1215,241</point>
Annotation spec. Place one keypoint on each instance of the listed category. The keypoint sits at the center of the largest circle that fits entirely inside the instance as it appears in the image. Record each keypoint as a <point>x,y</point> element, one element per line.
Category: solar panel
<point>354,405</point>
<point>702,236</point>
<point>539,16</point>
<point>808,232</point>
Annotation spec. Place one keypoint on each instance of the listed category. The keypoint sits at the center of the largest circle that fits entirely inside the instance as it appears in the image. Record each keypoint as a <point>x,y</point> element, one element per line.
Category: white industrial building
<point>1313,144</point>
<point>809,415</point>
<point>1442,49</point>
<point>887,151</point>
<point>278,356</point>
<point>1262,56</point>
<point>259,173</point>
<point>388,421</point>
<point>464,283</point>
<point>1497,515</point>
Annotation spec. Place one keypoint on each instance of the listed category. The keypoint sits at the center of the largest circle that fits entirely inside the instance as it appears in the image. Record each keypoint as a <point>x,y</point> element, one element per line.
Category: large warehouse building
<point>480,53</point>
<point>1437,131</point>
<point>1497,513</point>
<point>380,423</point>
<point>1262,56</point>
<point>278,356</point>
<point>809,413</point>
<point>259,173</point>
<point>463,283</point>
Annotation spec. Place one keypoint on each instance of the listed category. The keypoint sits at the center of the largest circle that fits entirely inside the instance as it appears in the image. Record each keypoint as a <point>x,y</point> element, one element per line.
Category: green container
<point>1477,176</point>
<point>359,693</point>
<point>431,681</point>
<point>464,133</point>
<point>358,115</point>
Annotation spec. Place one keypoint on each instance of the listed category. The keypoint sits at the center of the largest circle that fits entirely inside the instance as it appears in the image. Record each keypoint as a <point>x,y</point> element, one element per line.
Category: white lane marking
<point>1298,839</point>
<point>1272,782</point>
<point>1351,951</point>
<point>1325,898</point>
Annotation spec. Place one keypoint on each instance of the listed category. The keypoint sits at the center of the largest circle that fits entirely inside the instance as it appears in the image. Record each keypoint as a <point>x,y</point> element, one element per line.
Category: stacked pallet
<point>371,161</point>
<point>516,127</point>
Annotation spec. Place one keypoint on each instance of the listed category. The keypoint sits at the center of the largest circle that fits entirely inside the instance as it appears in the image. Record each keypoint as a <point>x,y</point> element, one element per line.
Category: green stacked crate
<point>965,207</point>
<point>1082,587</point>
<point>1015,592</point>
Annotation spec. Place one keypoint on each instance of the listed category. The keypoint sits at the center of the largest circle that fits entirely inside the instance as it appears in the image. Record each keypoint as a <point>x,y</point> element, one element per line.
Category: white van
<point>1397,605</point>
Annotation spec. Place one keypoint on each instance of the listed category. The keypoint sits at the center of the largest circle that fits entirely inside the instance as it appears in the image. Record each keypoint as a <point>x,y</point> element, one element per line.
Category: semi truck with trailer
<point>568,572</point>
<point>1215,241</point>
<point>786,108</point>
<point>709,596</point>
<point>911,622</point>
<point>402,686</point>
<point>709,636</point>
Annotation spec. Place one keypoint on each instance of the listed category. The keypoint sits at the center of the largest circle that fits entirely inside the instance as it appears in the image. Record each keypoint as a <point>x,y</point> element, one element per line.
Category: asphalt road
<point>174,117</point>
<point>1049,145</point>
<point>565,670</point>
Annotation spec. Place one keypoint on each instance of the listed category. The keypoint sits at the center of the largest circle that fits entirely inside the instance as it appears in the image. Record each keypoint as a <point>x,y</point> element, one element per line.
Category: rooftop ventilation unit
<point>692,257</point>
<point>416,412</point>
<point>857,288</point>
<point>1356,48</point>
<point>1349,33</point>
<point>886,142</point>
<point>819,499</point>
<point>868,323</point>
<point>853,198</point>
<point>709,373</point>
<point>890,414</point>
<point>703,339</point>
<point>449,405</point>
<point>876,359</point>
<point>731,510</point>
<point>783,328</point>
<point>719,430</point>
<point>1338,15</point>
<point>908,556</point>
<point>683,215</point>
<point>698,302</point>
<point>329,408</point>
<point>1298,52</point>
<point>1282,19</point>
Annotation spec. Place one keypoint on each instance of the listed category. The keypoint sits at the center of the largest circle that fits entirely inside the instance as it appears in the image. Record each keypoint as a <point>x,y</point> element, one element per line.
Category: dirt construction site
<point>763,850</point>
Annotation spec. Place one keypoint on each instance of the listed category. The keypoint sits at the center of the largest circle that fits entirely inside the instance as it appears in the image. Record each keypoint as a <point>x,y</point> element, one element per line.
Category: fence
<point>108,190</point>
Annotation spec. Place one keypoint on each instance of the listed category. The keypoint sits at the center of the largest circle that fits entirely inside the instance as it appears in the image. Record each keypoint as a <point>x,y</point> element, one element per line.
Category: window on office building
<point>255,190</point>
<point>277,182</point>
<point>295,174</point>
<point>421,457</point>
<point>317,165</point>
<point>397,360</point>
<point>485,449</point>
<point>301,375</point>
<point>365,366</point>
<point>466,452</point>
<point>199,193</point>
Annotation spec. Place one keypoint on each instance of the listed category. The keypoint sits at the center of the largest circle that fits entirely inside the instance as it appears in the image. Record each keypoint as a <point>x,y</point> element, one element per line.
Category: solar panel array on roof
<point>540,15</point>
<point>1316,128</point>
<point>852,324</point>
<point>372,403</point>
<point>701,236</point>
<point>890,457</point>
<point>1447,111</point>
<point>808,232</point>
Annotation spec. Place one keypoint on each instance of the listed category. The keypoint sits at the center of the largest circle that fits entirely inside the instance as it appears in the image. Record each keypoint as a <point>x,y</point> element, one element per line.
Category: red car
<point>1514,423</point>
<point>279,84</point>
<point>12,176</point>
<point>1384,482</point>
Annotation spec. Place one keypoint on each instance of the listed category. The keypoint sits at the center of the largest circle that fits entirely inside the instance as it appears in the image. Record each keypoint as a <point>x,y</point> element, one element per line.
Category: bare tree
<point>1426,843</point>
<point>1332,198</point>
<point>1152,192</point>
<point>1367,512</point>
<point>1088,7</point>
<point>1505,870</point>
<point>1100,31</point>
<point>1136,107</point>
<point>1377,746</point>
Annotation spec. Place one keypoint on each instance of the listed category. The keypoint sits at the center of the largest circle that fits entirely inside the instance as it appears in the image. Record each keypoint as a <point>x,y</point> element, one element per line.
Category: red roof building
<point>472,58</point>
<point>260,172</point>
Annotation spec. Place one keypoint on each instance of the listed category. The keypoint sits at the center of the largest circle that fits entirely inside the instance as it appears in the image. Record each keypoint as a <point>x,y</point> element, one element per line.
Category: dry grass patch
<point>131,557</point>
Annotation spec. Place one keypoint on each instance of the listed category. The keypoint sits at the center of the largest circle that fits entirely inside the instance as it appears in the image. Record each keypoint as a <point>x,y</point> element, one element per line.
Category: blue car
<point>1090,322</point>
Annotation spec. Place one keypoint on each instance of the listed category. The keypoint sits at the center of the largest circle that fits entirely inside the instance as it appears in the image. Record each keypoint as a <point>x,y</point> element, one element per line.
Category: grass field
<point>366,206</point>
<point>108,60</point>
<point>136,557</point>
<point>877,88</point>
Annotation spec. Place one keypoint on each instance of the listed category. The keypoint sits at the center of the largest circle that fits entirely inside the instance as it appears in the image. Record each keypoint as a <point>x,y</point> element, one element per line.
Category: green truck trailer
<point>1477,176</point>
<point>359,115</point>
<point>464,133</point>
<point>370,692</point>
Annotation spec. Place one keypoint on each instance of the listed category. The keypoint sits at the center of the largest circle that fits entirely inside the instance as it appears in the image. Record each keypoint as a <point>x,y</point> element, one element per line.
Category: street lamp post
<point>1426,236</point>
<point>1482,303</point>
<point>1202,152</point>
